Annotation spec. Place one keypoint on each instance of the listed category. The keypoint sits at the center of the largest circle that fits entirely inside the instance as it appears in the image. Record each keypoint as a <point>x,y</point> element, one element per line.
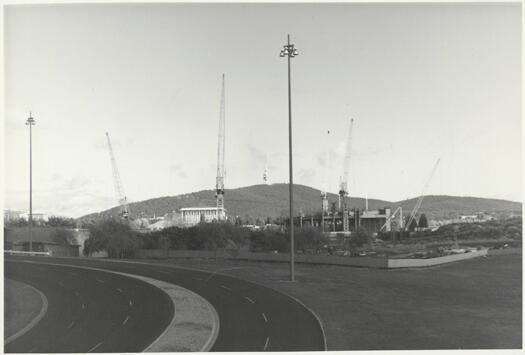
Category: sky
<point>422,82</point>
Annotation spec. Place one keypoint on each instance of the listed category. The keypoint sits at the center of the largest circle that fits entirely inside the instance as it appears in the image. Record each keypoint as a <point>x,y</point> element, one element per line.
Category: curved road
<point>252,317</point>
<point>90,311</point>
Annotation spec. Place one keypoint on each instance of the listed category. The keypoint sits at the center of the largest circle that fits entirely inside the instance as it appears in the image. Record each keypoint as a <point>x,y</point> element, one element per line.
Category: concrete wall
<point>404,263</point>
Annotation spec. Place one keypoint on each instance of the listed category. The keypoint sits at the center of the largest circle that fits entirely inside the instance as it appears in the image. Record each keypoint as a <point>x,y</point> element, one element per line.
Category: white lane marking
<point>130,302</point>
<point>226,288</point>
<point>76,293</point>
<point>70,325</point>
<point>265,319</point>
<point>83,305</point>
<point>34,349</point>
<point>119,290</point>
<point>99,280</point>
<point>266,343</point>
<point>60,283</point>
<point>93,348</point>
<point>250,300</point>
<point>125,320</point>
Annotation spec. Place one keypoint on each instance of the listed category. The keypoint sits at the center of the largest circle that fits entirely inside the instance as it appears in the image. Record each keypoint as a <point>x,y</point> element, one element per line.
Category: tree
<point>62,236</point>
<point>56,221</point>
<point>359,238</point>
<point>423,222</point>
<point>412,225</point>
<point>115,237</point>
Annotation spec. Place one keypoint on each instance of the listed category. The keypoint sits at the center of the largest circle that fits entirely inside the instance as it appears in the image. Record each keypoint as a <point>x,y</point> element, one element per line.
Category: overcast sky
<point>423,81</point>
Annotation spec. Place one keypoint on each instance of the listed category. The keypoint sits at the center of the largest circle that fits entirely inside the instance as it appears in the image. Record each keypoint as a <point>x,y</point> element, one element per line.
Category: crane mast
<point>324,192</point>
<point>219,194</point>
<point>119,190</point>
<point>422,196</point>
<point>343,187</point>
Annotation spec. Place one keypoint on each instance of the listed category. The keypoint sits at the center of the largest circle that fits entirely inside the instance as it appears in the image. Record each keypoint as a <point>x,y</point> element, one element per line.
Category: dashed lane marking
<point>250,300</point>
<point>125,320</point>
<point>76,293</point>
<point>266,343</point>
<point>93,348</point>
<point>33,349</point>
<point>99,280</point>
<point>119,290</point>
<point>130,302</point>
<point>226,288</point>
<point>71,325</point>
<point>83,305</point>
<point>60,283</point>
<point>265,319</point>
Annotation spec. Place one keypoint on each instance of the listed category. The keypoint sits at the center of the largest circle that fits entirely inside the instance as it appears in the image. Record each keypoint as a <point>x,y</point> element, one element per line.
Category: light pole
<point>290,52</point>
<point>30,122</point>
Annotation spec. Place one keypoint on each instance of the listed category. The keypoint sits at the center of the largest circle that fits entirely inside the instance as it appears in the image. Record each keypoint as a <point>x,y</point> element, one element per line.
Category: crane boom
<point>119,190</point>
<point>324,192</point>
<point>219,185</point>
<point>399,209</point>
<point>422,196</point>
<point>343,188</point>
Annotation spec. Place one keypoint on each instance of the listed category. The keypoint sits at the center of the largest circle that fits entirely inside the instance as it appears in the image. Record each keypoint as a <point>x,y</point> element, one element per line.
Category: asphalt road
<point>252,317</point>
<point>90,311</point>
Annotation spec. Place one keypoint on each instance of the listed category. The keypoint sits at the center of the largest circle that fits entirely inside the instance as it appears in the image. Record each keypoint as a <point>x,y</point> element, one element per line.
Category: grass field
<point>21,305</point>
<point>474,304</point>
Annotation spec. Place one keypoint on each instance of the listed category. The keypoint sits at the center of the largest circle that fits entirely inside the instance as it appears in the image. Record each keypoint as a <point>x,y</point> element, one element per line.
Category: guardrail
<point>19,252</point>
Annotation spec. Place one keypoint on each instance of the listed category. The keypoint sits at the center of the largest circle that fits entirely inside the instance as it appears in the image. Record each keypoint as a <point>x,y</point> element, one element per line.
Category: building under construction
<point>372,221</point>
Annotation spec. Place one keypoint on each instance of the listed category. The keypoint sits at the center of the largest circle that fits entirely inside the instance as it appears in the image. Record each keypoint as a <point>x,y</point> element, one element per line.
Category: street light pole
<point>30,122</point>
<point>290,52</point>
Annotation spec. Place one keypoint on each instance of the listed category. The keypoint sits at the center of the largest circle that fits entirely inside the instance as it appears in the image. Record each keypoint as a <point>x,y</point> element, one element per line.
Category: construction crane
<point>219,194</point>
<point>324,192</point>
<point>343,187</point>
<point>119,190</point>
<point>400,210</point>
<point>422,196</point>
<point>265,173</point>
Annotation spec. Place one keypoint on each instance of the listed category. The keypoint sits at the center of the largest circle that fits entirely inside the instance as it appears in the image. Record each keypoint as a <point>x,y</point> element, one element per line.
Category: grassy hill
<point>272,201</point>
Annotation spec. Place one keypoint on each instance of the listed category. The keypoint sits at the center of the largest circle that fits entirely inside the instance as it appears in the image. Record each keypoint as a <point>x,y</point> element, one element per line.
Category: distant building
<point>12,215</point>
<point>37,217</point>
<point>194,215</point>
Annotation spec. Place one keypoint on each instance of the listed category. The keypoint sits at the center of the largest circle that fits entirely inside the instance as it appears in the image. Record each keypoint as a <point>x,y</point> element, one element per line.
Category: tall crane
<point>119,190</point>
<point>422,196</point>
<point>343,187</point>
<point>324,192</point>
<point>219,194</point>
<point>265,173</point>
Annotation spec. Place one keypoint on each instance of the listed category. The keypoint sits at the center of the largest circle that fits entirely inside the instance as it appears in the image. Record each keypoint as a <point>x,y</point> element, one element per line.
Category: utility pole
<point>30,122</point>
<point>290,52</point>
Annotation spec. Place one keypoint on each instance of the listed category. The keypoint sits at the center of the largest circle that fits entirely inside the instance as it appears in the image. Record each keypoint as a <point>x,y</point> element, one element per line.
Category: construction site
<point>332,218</point>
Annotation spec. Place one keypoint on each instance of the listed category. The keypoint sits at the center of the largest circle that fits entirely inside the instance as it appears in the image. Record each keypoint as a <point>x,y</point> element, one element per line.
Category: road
<point>252,317</point>
<point>90,310</point>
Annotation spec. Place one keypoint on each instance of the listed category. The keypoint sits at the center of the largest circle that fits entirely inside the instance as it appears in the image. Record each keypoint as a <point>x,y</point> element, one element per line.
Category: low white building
<point>194,215</point>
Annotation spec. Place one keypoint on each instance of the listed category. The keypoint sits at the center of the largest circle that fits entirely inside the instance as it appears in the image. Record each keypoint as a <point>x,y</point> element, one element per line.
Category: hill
<point>261,201</point>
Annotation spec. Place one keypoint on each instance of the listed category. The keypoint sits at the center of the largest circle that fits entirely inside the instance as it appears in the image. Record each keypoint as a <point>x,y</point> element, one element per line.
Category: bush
<point>204,236</point>
<point>117,238</point>
<point>269,240</point>
<point>62,236</point>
